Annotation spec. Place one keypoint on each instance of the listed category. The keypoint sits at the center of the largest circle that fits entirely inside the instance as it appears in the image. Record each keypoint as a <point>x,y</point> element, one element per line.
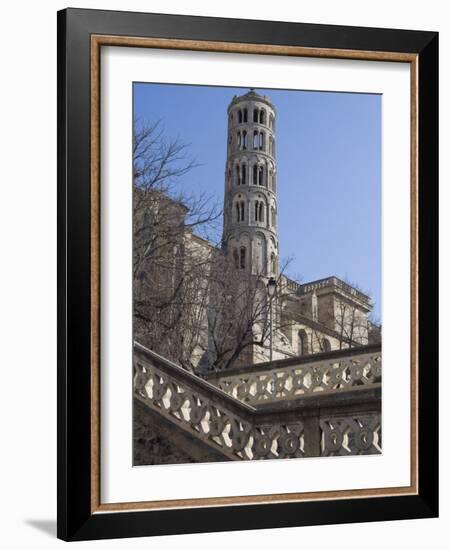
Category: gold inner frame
<point>97,41</point>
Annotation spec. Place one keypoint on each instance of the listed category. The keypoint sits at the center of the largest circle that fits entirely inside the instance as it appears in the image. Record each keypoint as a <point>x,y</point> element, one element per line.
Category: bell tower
<point>250,205</point>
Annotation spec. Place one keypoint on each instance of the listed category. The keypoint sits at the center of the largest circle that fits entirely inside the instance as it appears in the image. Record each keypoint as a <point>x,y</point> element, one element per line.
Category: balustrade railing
<point>315,426</point>
<point>291,378</point>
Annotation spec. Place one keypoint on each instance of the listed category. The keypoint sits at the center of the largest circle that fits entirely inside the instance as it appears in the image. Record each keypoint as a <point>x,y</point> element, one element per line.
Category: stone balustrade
<point>346,422</point>
<point>288,379</point>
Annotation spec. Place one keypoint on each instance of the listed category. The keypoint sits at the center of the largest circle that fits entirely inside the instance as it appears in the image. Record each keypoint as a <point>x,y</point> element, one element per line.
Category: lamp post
<point>271,289</point>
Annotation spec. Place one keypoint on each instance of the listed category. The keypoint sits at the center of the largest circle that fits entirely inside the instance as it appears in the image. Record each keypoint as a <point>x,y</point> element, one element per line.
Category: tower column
<point>251,153</point>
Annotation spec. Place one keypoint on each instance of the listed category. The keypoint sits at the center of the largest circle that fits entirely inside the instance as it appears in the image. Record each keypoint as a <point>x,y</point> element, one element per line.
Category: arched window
<point>238,212</point>
<point>261,175</point>
<point>255,174</point>
<point>270,179</point>
<point>244,140</point>
<point>255,139</point>
<point>262,116</point>
<point>271,120</point>
<point>242,255</point>
<point>273,264</point>
<point>235,258</point>
<point>270,145</point>
<point>261,141</point>
<point>239,139</point>
<point>238,175</point>
<point>244,174</point>
<point>326,346</point>
<point>240,116</point>
<point>255,115</point>
<point>261,212</point>
<point>303,348</point>
<point>244,117</point>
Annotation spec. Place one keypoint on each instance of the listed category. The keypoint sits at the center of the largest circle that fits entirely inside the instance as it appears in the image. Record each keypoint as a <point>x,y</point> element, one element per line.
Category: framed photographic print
<point>247,274</point>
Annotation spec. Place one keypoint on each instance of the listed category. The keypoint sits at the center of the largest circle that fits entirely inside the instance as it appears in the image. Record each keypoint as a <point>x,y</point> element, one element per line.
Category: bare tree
<point>162,209</point>
<point>239,314</point>
<point>165,216</point>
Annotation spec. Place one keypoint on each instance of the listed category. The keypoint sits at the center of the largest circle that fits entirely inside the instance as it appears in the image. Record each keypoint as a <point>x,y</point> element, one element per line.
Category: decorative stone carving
<point>228,424</point>
<point>287,383</point>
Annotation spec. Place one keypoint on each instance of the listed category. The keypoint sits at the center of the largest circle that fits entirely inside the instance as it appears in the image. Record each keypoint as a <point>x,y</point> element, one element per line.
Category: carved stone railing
<point>347,423</point>
<point>291,378</point>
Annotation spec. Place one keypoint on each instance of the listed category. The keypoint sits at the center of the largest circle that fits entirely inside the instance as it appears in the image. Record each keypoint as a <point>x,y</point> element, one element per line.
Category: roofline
<point>241,98</point>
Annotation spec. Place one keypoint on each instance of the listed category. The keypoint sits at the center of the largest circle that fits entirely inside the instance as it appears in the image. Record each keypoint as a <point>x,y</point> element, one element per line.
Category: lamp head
<point>271,287</point>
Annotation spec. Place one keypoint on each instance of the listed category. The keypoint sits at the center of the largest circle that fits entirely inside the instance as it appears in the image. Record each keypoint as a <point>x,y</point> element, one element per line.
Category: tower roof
<point>249,96</point>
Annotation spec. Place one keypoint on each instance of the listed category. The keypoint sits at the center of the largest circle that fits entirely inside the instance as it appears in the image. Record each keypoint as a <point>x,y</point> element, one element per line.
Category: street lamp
<point>271,289</point>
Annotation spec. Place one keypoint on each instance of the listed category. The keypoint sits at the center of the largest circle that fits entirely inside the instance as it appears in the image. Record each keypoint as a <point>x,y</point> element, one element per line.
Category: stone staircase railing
<point>289,379</point>
<point>347,422</point>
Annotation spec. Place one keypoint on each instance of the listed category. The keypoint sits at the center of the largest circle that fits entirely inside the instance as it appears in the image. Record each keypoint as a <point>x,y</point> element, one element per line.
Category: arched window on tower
<point>271,120</point>
<point>242,257</point>
<point>261,211</point>
<point>261,175</point>
<point>239,140</point>
<point>238,175</point>
<point>244,115</point>
<point>270,145</point>
<point>235,258</point>
<point>262,116</point>
<point>255,115</point>
<point>255,174</point>
<point>242,211</point>
<point>240,116</point>
<point>244,140</point>
<point>326,346</point>
<point>255,139</point>
<point>261,141</point>
<point>244,174</point>
<point>270,183</point>
<point>303,348</point>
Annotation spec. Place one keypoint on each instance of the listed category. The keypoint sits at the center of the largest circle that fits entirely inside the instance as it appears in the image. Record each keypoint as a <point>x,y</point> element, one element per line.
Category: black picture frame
<point>76,521</point>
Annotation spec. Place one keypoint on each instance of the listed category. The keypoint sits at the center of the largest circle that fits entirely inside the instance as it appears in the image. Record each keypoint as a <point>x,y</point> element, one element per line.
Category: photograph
<point>247,272</point>
<point>257,276</point>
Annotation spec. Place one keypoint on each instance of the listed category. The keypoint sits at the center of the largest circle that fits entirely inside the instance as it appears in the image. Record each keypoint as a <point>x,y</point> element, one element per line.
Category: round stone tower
<point>250,205</point>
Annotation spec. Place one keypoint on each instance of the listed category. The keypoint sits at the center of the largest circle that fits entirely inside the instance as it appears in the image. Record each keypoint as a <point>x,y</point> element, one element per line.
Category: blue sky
<point>328,171</point>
